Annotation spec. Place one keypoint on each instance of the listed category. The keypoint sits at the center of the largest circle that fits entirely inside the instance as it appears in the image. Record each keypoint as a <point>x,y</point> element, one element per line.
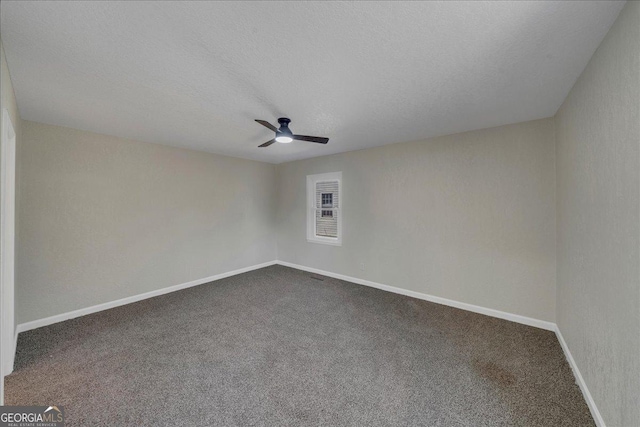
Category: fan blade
<point>318,139</point>
<point>267,125</point>
<point>268,143</point>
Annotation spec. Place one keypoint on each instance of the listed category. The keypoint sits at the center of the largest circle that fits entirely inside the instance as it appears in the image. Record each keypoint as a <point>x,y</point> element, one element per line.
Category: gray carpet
<point>282,347</point>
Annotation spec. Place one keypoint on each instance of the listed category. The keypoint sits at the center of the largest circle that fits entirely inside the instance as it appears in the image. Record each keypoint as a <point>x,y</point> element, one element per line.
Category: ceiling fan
<point>284,134</point>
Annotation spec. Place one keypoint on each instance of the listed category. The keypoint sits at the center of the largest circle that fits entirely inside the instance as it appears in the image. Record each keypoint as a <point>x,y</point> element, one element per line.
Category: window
<point>324,216</point>
<point>327,200</point>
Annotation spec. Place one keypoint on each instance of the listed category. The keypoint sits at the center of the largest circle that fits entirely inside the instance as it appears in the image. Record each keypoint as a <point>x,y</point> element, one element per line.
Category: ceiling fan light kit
<point>284,139</point>
<point>284,134</point>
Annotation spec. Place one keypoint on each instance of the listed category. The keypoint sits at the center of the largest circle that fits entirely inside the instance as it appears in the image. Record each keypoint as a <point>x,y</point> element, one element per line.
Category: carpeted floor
<point>282,347</point>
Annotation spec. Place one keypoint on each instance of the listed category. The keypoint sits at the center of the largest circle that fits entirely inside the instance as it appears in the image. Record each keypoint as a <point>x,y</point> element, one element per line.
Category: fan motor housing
<point>284,125</point>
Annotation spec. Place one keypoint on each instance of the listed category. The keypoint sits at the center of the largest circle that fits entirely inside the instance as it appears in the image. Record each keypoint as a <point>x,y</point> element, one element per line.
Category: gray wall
<point>598,217</point>
<point>103,218</point>
<point>469,217</point>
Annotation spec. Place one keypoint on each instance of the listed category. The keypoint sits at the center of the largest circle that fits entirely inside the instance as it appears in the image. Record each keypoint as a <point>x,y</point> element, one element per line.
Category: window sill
<point>330,242</point>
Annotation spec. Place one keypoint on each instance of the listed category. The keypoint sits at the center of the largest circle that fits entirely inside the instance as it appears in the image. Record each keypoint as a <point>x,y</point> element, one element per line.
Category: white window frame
<point>311,208</point>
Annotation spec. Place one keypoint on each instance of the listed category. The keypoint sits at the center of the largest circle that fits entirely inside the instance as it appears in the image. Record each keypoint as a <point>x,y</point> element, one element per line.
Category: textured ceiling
<point>196,74</point>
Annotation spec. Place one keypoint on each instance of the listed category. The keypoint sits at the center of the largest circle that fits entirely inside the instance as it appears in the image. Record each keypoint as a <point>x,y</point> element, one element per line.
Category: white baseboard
<point>583,386</point>
<point>22,327</point>
<point>542,324</point>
